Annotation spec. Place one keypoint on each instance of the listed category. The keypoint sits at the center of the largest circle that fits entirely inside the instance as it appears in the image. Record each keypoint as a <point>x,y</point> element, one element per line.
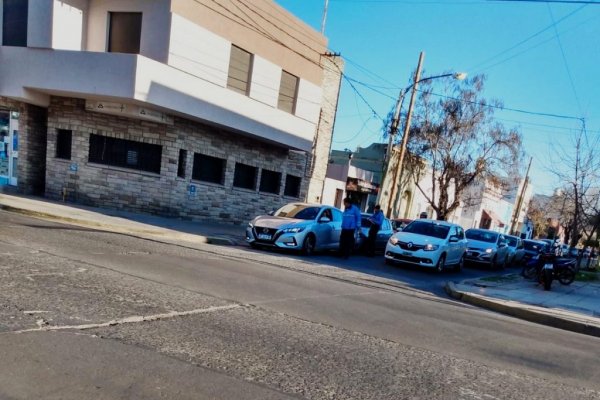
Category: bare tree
<point>578,170</point>
<point>456,137</point>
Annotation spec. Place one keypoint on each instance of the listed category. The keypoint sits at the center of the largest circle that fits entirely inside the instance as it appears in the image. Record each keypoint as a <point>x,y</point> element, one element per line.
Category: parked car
<point>382,236</point>
<point>533,248</point>
<point>297,226</point>
<point>486,247</point>
<point>515,250</point>
<point>428,243</point>
<point>400,223</point>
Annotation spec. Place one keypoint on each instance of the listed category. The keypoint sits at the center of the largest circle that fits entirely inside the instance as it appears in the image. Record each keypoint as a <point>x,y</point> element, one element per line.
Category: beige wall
<point>257,22</point>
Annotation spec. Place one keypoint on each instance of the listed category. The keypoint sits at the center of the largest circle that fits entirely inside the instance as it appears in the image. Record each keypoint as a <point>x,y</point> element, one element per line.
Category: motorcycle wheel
<point>547,278</point>
<point>566,277</point>
<point>529,272</point>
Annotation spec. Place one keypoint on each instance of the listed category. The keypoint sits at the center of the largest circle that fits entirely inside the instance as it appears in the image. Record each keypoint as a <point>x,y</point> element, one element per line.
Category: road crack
<point>128,320</point>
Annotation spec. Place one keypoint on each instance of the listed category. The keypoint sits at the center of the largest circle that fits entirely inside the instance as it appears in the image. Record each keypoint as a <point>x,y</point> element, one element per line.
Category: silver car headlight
<point>293,230</point>
<point>431,247</point>
<point>394,240</point>
<point>489,251</point>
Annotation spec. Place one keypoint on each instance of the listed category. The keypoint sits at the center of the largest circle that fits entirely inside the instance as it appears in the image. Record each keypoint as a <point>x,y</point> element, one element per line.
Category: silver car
<point>486,247</point>
<point>297,226</point>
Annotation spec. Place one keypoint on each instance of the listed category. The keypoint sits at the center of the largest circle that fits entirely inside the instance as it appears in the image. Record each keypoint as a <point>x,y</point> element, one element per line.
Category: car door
<point>453,247</point>
<point>462,242</point>
<point>384,234</point>
<point>502,247</point>
<point>336,228</point>
<point>323,228</point>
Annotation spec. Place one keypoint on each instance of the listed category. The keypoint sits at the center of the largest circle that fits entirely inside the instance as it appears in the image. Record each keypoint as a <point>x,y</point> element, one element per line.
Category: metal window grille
<point>292,186</point>
<point>64,139</point>
<point>209,169</point>
<point>245,176</point>
<point>125,153</point>
<point>270,181</point>
<point>182,163</point>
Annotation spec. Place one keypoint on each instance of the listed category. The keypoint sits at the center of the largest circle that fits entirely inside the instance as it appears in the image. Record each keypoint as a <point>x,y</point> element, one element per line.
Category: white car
<point>428,243</point>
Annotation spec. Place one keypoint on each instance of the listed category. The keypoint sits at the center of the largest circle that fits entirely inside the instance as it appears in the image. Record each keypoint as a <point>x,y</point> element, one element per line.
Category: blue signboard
<point>192,190</point>
<point>73,167</point>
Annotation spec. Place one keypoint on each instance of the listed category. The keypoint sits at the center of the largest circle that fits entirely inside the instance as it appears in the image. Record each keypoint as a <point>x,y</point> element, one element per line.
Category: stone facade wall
<point>32,146</point>
<point>332,75</point>
<point>83,182</point>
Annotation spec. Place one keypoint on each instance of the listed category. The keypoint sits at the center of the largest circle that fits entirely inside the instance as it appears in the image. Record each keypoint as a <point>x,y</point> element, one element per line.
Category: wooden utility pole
<point>515,219</point>
<point>398,170</point>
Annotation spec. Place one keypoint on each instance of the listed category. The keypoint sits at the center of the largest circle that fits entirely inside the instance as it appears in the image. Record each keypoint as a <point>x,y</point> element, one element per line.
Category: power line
<point>562,52</point>
<point>526,39</point>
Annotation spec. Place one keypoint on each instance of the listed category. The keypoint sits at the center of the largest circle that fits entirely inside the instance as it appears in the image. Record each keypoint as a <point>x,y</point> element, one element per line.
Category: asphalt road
<point>87,314</point>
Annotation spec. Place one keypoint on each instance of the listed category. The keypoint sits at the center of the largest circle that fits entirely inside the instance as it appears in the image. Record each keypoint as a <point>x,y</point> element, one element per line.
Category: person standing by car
<point>350,223</point>
<point>376,221</point>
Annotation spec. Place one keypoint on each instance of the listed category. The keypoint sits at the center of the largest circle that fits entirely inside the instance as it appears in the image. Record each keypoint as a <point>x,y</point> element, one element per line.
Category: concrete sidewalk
<point>169,230</point>
<point>575,307</point>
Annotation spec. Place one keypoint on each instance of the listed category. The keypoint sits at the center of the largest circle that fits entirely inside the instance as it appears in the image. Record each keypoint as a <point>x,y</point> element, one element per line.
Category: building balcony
<point>33,75</point>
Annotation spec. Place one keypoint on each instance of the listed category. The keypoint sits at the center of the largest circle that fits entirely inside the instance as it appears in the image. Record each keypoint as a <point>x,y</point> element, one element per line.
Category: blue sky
<point>556,71</point>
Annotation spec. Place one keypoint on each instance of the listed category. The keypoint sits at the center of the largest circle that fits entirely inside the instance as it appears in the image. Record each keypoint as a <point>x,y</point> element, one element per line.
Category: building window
<point>245,176</point>
<point>14,22</point>
<point>209,169</point>
<point>240,68</point>
<point>270,181</point>
<point>125,32</point>
<point>125,153</point>
<point>63,144</point>
<point>292,186</point>
<point>288,89</point>
<point>182,163</point>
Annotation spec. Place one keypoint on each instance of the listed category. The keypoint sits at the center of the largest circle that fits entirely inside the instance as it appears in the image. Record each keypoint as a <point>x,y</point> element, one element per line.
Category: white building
<point>195,104</point>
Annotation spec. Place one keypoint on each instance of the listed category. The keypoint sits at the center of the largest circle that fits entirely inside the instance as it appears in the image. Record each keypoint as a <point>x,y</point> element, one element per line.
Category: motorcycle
<point>545,267</point>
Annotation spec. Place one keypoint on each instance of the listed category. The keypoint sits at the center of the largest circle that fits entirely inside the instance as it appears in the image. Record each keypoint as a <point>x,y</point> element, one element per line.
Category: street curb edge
<point>523,313</point>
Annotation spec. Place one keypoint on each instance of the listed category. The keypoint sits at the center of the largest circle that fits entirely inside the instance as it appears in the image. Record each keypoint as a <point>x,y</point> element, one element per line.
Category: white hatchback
<point>428,243</point>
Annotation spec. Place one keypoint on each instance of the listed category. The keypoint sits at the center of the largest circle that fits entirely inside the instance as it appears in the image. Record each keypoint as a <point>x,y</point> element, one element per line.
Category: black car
<point>532,248</point>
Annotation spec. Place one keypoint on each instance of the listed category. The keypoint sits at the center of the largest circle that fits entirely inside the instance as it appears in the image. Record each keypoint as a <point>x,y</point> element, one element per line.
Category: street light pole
<point>405,134</point>
<point>396,122</point>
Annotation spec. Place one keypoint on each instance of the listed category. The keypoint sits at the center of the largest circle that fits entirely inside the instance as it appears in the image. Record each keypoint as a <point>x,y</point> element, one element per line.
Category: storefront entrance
<point>9,147</point>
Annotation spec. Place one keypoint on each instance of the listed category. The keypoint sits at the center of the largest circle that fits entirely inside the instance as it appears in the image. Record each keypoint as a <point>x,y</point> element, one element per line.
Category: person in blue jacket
<point>350,225</point>
<point>376,222</point>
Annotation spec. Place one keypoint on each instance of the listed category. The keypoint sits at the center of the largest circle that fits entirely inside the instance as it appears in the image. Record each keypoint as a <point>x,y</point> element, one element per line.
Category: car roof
<point>435,221</point>
<point>484,230</point>
<point>512,236</point>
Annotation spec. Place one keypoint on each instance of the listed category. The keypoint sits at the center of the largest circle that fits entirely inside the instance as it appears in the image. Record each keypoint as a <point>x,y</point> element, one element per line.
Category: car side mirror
<point>324,220</point>
<point>271,213</point>
<point>453,239</point>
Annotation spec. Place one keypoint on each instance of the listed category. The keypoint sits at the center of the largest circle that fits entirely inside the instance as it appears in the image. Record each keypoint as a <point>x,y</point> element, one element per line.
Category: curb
<point>522,313</point>
<point>216,240</point>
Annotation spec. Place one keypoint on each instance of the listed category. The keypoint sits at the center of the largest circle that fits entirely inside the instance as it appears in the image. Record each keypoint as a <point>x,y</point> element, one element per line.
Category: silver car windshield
<point>298,211</point>
<point>428,229</point>
<point>482,236</point>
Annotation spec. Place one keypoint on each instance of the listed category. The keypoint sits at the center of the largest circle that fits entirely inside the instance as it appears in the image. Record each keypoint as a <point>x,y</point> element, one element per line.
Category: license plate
<point>264,236</point>
<point>406,253</point>
<point>548,266</point>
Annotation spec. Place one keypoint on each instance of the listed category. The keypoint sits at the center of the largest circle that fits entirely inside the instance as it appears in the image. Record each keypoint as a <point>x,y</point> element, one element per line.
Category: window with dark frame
<point>125,32</point>
<point>182,163</point>
<point>14,22</point>
<point>209,169</point>
<point>125,153</point>
<point>245,176</point>
<point>270,181</point>
<point>292,186</point>
<point>240,69</point>
<point>288,90</point>
<point>64,140</point>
